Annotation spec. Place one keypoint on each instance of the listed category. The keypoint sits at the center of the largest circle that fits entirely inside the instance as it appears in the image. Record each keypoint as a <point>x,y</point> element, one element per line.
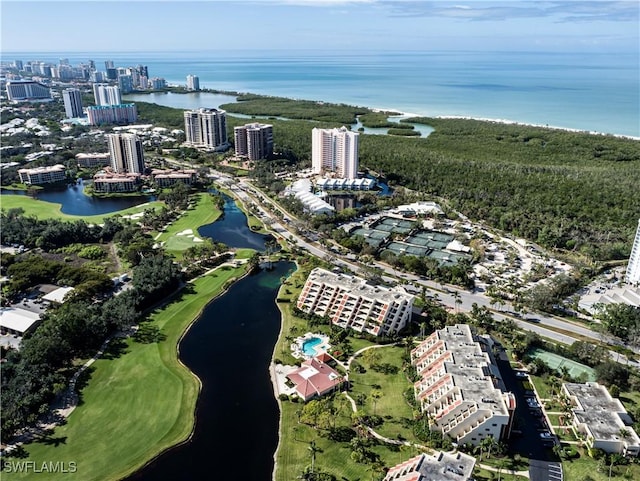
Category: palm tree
<point>313,449</point>
<point>458,300</point>
<point>375,395</point>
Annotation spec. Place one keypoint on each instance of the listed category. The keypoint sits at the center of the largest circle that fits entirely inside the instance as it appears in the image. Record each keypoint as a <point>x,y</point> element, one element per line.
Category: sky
<point>348,25</point>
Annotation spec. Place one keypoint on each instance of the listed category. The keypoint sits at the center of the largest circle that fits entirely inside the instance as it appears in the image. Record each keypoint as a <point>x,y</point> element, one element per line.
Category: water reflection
<point>73,200</point>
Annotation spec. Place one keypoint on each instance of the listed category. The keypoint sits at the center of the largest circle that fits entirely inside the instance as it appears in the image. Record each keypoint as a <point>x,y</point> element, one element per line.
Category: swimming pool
<point>308,346</point>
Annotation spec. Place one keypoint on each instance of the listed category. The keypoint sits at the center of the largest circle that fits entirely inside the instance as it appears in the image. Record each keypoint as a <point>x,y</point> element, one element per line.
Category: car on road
<point>521,374</point>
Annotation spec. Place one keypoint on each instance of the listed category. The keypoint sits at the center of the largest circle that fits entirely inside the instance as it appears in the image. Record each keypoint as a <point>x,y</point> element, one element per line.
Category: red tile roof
<point>314,378</point>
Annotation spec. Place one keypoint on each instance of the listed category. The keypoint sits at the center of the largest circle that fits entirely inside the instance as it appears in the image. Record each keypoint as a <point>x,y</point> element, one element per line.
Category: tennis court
<point>555,361</point>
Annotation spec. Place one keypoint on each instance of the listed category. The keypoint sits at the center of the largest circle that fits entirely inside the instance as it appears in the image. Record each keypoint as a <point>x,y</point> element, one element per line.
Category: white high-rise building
<point>193,82</point>
<point>206,128</point>
<point>127,155</point>
<point>335,150</point>
<point>254,141</point>
<point>632,275</point>
<point>107,94</point>
<point>72,103</point>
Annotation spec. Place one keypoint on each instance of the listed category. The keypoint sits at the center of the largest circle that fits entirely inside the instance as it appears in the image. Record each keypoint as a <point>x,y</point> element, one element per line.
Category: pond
<point>231,228</point>
<point>74,201</point>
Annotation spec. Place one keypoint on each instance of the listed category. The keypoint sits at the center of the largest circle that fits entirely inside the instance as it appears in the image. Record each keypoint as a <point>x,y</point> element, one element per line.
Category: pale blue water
<point>585,91</point>
<point>308,346</point>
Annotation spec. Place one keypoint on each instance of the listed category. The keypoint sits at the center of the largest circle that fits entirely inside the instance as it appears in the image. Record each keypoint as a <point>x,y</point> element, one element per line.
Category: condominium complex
<point>107,94</point>
<point>335,150</point>
<point>437,467</point>
<point>107,182</point>
<point>632,275</point>
<point>193,82</point>
<point>126,153</point>
<point>112,114</point>
<point>351,303</point>
<point>206,128</point>
<point>93,159</point>
<point>27,90</point>
<point>72,103</point>
<point>254,141</point>
<point>599,419</point>
<point>460,387</point>
<point>166,178</point>
<point>43,175</point>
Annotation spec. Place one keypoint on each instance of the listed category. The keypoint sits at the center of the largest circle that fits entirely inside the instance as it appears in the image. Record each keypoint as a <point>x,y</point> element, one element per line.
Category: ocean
<point>583,91</point>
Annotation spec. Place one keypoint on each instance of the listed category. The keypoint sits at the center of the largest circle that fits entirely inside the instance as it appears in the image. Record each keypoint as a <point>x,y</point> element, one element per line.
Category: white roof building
<point>439,467</point>
<point>301,189</point>
<point>461,389</point>
<point>57,295</point>
<point>632,276</point>
<point>600,418</point>
<point>420,208</point>
<point>16,320</point>
<point>350,302</point>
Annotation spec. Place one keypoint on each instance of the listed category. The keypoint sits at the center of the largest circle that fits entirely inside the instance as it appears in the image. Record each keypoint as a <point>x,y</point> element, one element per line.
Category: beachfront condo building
<point>335,150</point>
<point>126,153</point>
<point>632,276</point>
<point>460,388</point>
<point>193,83</point>
<point>72,103</point>
<point>254,141</point>
<point>27,91</point>
<point>206,128</point>
<point>107,94</point>
<point>43,175</point>
<point>352,303</point>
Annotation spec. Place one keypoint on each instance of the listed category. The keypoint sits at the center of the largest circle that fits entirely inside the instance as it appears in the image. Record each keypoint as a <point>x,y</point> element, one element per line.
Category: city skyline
<point>315,24</point>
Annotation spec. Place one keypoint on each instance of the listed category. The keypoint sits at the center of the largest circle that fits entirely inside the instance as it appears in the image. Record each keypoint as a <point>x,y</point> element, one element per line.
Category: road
<point>449,295</point>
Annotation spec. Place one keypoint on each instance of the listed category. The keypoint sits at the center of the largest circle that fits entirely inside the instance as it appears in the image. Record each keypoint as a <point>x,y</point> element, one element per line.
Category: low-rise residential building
<point>460,388</point>
<point>16,321</point>
<point>43,175</point>
<point>314,378</point>
<point>301,190</point>
<point>93,159</point>
<point>420,208</point>
<point>166,178</point>
<point>106,182</point>
<point>346,184</point>
<point>437,467</point>
<point>600,419</point>
<point>351,303</point>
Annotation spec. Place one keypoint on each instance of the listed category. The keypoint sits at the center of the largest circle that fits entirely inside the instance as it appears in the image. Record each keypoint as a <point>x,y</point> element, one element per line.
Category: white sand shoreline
<point>405,115</point>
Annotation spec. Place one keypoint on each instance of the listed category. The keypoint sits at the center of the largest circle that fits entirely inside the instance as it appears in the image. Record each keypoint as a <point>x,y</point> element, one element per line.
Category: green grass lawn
<point>137,403</point>
<point>203,212</point>
<point>585,468</point>
<point>49,210</point>
<point>391,406</point>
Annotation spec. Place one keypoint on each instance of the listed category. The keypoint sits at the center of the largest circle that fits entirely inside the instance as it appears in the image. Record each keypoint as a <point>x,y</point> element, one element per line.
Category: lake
<point>74,201</point>
<point>237,416</point>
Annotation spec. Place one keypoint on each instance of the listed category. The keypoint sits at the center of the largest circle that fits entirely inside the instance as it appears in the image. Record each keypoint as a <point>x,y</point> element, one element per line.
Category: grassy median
<point>139,401</point>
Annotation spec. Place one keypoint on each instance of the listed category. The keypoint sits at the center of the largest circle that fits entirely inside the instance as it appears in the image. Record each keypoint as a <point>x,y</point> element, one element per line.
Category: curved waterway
<point>229,348</point>
<point>231,228</point>
<point>74,201</point>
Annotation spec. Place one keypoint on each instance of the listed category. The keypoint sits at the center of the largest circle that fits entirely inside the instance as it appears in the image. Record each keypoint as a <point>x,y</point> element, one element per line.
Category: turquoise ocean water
<point>595,92</point>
